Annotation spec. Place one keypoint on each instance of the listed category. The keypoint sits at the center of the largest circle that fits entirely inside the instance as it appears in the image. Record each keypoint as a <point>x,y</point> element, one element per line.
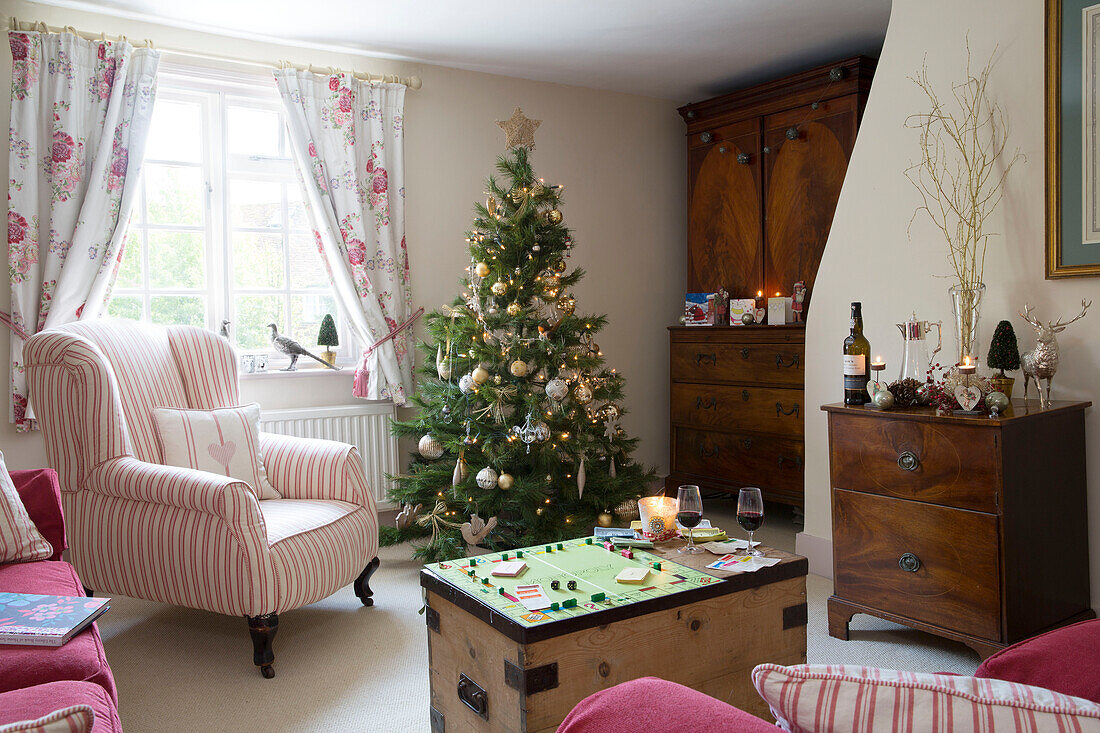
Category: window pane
<point>258,260</point>
<point>251,316</point>
<point>306,312</point>
<point>173,195</point>
<point>178,310</point>
<point>307,269</point>
<point>175,132</point>
<point>125,306</point>
<point>129,272</point>
<point>256,203</point>
<point>296,208</point>
<point>176,260</point>
<point>253,131</point>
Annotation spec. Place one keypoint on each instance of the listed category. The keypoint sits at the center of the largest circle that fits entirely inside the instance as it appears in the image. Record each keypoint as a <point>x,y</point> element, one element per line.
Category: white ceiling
<point>681,50</point>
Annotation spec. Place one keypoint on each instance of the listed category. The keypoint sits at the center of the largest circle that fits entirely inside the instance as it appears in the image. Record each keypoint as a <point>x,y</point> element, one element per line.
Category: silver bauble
<point>466,383</point>
<point>557,389</point>
<point>486,478</point>
<point>430,448</point>
<point>997,400</point>
<point>748,319</point>
<point>582,394</point>
<point>883,399</point>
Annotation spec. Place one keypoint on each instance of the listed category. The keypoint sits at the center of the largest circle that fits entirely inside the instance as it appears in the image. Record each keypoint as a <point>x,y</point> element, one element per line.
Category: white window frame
<point>215,90</point>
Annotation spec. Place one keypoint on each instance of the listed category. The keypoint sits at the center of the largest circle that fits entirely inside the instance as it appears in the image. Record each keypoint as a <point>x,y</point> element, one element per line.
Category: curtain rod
<point>412,82</point>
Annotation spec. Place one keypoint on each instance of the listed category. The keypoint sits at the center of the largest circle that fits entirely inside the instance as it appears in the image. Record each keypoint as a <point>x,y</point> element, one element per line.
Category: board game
<point>586,562</point>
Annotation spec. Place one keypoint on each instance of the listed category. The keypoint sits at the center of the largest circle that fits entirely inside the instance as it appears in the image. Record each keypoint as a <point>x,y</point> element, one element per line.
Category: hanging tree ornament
<point>491,207</point>
<point>499,288</point>
<point>605,519</point>
<point>627,510</point>
<point>610,410</point>
<point>552,216</point>
<point>486,478</point>
<point>558,266</point>
<point>430,448</point>
<point>514,309</point>
<point>477,529</point>
<point>461,471</point>
<point>518,368</point>
<point>505,481</point>
<point>542,432</point>
<point>566,304</point>
<point>582,394</point>
<point>480,374</point>
<point>557,389</point>
<point>529,432</point>
<point>481,269</point>
<point>466,383</point>
<point>580,478</point>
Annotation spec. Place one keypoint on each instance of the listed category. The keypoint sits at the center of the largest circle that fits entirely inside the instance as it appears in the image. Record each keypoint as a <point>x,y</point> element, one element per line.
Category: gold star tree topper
<point>520,130</point>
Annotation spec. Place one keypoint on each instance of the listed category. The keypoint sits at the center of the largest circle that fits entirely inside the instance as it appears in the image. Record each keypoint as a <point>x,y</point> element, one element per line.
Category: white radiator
<point>365,426</point>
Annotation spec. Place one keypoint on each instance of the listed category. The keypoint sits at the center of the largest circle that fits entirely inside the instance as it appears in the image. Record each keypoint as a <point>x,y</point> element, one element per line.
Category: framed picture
<point>1073,138</point>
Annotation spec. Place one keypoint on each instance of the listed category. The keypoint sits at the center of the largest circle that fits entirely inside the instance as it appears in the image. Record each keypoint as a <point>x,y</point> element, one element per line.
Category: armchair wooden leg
<point>362,583</point>
<point>262,630</point>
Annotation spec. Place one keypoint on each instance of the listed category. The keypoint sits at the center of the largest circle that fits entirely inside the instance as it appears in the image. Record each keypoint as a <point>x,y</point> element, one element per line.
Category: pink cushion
<point>34,702</point>
<point>657,706</point>
<point>41,495</point>
<point>82,658</point>
<point>1064,660</point>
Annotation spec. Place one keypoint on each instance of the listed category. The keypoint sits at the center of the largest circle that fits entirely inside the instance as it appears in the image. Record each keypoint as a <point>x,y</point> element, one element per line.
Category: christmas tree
<point>519,419</point>
<point>1004,353</point>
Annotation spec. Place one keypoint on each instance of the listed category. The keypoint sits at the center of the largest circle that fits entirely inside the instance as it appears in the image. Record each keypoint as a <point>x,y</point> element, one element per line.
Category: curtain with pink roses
<point>80,113</point>
<point>347,137</point>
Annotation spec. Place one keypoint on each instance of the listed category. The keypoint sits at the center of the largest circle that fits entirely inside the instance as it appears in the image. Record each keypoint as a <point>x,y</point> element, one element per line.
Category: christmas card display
<point>739,307</point>
<point>519,417</point>
<point>39,620</point>
<point>779,311</point>
<point>700,309</point>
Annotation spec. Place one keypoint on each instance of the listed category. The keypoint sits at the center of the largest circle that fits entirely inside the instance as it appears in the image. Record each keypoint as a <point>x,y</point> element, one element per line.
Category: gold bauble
<point>559,266</point>
<point>505,481</point>
<point>518,368</point>
<point>566,304</point>
<point>481,269</point>
<point>605,519</point>
<point>550,280</point>
<point>539,511</point>
<point>552,216</point>
<point>514,309</point>
<point>499,288</point>
<point>479,375</point>
<point>582,394</point>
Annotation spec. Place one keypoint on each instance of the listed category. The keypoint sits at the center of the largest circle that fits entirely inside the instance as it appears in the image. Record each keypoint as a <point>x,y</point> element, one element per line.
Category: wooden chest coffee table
<point>496,667</point>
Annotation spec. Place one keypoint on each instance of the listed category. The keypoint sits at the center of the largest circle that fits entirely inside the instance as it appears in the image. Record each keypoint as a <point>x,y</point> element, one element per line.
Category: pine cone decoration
<point>905,392</point>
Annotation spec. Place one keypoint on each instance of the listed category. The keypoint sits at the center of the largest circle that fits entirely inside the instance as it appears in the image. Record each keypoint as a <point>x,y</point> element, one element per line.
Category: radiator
<point>365,426</point>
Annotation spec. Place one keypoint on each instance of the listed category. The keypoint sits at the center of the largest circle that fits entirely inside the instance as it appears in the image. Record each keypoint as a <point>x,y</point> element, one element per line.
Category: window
<point>219,229</point>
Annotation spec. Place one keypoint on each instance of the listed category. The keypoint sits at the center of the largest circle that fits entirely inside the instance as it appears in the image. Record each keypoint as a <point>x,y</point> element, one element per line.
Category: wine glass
<point>689,513</point>
<point>750,515</point>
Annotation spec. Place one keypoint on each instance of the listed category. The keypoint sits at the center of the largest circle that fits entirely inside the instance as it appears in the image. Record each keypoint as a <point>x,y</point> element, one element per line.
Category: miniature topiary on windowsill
<point>328,338</point>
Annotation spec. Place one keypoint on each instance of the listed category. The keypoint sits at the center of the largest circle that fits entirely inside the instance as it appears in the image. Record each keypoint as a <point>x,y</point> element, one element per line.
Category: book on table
<point>40,620</point>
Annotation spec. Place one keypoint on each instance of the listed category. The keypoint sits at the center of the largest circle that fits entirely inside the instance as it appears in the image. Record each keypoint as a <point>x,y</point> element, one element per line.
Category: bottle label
<point>855,365</point>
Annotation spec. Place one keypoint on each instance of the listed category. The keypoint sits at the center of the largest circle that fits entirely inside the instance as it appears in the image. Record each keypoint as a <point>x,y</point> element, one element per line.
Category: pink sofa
<point>34,680</point>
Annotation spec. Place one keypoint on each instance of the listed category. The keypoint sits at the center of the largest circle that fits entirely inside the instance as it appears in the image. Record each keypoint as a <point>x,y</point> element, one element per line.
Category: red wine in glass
<point>749,521</point>
<point>750,515</point>
<point>689,512</point>
<point>689,519</point>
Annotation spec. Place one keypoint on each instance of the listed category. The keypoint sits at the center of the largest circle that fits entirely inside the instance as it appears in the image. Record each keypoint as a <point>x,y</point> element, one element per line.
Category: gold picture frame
<point>1056,267</point>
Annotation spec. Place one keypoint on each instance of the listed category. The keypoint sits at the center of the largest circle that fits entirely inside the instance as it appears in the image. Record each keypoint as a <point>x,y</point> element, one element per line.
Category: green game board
<point>591,565</point>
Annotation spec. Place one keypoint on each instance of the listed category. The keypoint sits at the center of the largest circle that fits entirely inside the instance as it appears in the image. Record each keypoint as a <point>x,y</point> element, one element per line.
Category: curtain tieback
<point>362,376</point>
<point>7,321</point>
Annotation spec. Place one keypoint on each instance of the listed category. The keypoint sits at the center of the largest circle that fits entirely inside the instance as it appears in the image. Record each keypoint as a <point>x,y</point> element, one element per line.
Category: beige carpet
<point>342,667</point>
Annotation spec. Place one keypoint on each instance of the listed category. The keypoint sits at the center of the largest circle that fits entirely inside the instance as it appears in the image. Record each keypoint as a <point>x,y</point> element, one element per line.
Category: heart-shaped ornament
<point>222,452</point>
<point>968,397</point>
<point>759,314</point>
<point>874,387</point>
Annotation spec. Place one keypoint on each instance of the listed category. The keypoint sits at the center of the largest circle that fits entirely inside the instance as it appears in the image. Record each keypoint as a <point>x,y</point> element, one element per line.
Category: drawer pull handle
<point>909,562</point>
<point>706,452</point>
<point>745,353</point>
<point>745,395</point>
<point>908,461</point>
<point>706,137</point>
<point>779,361</point>
<point>473,697</point>
<point>746,443</point>
<point>797,460</point>
<point>712,358</point>
<point>743,158</point>
<point>709,405</point>
<point>780,411</point>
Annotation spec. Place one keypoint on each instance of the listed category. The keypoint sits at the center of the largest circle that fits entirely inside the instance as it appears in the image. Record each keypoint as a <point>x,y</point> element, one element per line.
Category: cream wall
<point>621,158</point>
<point>869,257</point>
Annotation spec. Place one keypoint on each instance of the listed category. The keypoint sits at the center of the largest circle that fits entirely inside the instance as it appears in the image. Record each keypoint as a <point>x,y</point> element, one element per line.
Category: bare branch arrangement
<point>962,167</point>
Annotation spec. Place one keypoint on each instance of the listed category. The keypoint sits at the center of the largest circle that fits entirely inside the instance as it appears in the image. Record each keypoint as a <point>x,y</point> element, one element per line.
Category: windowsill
<point>301,372</point>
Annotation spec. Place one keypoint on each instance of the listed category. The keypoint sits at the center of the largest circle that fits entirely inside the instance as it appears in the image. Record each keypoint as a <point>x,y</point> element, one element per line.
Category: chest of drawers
<point>969,528</point>
<point>737,409</point>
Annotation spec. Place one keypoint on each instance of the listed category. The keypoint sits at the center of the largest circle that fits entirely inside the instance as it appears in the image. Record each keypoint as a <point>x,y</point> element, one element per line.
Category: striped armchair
<point>176,535</point>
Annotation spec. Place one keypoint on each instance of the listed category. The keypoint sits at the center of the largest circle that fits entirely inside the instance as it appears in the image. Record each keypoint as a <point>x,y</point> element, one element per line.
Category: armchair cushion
<point>223,441</point>
<point>287,517</point>
<point>20,540</point>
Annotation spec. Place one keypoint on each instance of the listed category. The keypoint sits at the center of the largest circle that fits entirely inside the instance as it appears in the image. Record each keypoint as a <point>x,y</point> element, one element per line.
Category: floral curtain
<point>347,138</point>
<point>80,113</point>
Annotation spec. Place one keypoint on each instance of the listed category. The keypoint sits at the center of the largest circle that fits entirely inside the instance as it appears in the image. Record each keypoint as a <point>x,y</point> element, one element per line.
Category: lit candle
<point>967,368</point>
<point>660,508</point>
<point>878,364</point>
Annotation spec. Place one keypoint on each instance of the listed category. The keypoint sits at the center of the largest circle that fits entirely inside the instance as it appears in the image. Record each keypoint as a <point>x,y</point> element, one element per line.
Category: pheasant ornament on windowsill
<point>293,349</point>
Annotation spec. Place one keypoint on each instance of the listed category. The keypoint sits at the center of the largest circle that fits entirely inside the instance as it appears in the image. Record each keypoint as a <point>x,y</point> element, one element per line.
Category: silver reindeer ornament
<point>1042,361</point>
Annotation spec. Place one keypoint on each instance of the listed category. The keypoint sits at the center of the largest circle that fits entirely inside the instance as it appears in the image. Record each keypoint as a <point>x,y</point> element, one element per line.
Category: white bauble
<point>486,478</point>
<point>466,383</point>
<point>518,368</point>
<point>479,375</point>
<point>557,389</point>
<point>430,448</point>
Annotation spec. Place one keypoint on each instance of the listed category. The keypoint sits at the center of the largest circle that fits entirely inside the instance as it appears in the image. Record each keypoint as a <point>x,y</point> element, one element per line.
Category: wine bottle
<point>857,354</point>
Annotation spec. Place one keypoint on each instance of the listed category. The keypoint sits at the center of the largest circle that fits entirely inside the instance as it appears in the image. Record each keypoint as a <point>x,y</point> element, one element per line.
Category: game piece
<point>572,585</point>
<point>597,597</point>
<point>588,540</point>
<point>608,546</point>
<point>500,589</point>
<point>627,554</point>
<point>510,569</point>
<point>519,553</point>
<point>549,548</point>
<point>533,597</point>
<point>554,606</point>
<point>485,581</point>
<point>632,575</point>
<point>471,572</point>
<point>656,566</point>
<point>555,585</point>
<point>504,556</point>
<point>561,546</point>
<point>569,603</point>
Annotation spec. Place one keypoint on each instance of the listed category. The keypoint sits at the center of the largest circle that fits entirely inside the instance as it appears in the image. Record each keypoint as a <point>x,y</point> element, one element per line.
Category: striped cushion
<point>20,540</point>
<point>823,698</point>
<point>288,517</point>
<point>75,719</point>
<point>224,441</point>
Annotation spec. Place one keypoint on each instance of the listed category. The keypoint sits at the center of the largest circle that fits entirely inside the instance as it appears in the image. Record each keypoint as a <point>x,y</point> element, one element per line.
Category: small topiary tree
<point>1004,353</point>
<point>328,338</point>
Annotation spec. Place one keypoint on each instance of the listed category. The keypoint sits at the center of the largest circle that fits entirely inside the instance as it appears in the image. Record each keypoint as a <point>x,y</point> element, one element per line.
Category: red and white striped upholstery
<point>177,535</point>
